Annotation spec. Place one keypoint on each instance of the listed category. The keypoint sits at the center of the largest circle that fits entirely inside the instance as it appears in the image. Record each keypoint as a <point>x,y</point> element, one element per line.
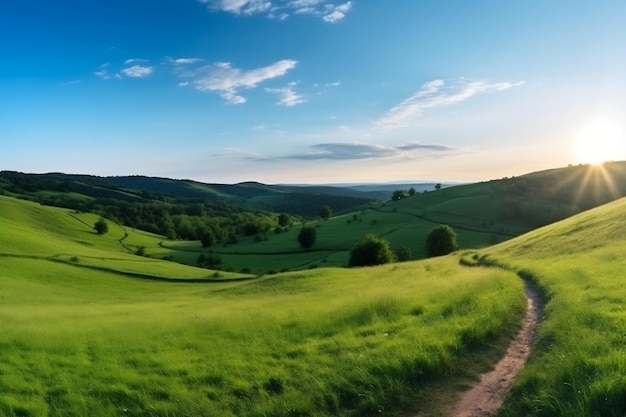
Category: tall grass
<point>579,365</point>
<point>78,341</point>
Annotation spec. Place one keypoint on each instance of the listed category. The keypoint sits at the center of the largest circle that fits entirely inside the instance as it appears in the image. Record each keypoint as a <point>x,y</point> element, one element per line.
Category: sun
<point>598,142</point>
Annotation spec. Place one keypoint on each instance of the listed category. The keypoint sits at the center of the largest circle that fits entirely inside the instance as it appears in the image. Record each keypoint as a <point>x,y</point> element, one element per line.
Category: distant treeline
<point>150,211</point>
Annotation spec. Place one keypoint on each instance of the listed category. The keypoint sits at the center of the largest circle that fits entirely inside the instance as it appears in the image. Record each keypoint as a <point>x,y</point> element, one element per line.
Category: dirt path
<point>487,396</point>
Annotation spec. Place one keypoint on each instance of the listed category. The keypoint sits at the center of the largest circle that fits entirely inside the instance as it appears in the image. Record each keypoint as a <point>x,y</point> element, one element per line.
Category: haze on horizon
<point>311,91</point>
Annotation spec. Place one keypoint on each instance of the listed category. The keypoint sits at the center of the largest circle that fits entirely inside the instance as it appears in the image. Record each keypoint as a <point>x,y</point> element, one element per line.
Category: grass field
<point>82,334</point>
<point>398,222</point>
<point>78,341</point>
<point>579,365</point>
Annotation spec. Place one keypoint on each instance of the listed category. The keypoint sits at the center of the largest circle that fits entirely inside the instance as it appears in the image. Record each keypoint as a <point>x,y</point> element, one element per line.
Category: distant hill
<point>230,219</point>
<point>300,201</point>
<point>377,191</point>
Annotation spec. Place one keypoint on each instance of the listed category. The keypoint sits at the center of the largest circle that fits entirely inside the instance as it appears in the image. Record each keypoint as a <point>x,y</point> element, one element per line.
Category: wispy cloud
<point>329,11</point>
<point>182,61</point>
<point>132,71</point>
<point>437,93</point>
<point>336,13</point>
<point>134,61</point>
<point>226,80</point>
<point>354,151</point>
<point>137,71</point>
<point>287,96</point>
<point>103,72</point>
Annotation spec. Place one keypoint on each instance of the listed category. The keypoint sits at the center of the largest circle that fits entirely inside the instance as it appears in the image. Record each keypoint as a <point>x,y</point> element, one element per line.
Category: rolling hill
<point>302,201</point>
<point>482,214</point>
<point>85,329</point>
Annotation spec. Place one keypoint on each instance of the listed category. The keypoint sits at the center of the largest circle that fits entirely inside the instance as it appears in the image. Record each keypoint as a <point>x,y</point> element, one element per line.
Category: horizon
<point>313,91</point>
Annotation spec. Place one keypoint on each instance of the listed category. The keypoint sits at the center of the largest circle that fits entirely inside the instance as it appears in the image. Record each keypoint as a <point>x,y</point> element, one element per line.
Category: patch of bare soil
<point>487,396</point>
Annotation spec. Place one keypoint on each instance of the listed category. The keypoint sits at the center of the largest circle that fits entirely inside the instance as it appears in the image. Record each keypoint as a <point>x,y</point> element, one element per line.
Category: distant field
<point>77,341</point>
<point>398,222</point>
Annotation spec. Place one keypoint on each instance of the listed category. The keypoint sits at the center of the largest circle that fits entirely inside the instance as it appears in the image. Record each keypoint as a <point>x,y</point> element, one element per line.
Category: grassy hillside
<point>579,367</point>
<point>77,340</point>
<point>482,214</point>
<point>46,235</point>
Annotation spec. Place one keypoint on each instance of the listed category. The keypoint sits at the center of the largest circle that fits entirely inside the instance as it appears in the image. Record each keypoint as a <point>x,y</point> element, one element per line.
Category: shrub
<point>101,226</point>
<point>307,237</point>
<point>403,254</point>
<point>441,240</point>
<point>372,250</point>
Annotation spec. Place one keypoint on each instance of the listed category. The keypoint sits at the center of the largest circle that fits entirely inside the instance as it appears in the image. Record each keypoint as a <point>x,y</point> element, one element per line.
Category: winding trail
<point>487,396</point>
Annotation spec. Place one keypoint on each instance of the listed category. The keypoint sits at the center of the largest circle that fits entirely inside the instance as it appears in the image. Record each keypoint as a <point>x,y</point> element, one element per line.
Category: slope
<point>578,368</point>
<point>78,341</point>
<point>47,235</point>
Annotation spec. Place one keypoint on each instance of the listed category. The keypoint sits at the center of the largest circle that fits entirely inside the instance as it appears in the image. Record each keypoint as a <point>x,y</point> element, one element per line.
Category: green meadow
<point>78,340</point>
<point>579,364</point>
<point>87,327</point>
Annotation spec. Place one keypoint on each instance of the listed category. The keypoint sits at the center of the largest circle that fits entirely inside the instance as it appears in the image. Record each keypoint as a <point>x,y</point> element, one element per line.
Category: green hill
<point>482,214</point>
<point>578,367</point>
<point>88,329</point>
<point>71,190</point>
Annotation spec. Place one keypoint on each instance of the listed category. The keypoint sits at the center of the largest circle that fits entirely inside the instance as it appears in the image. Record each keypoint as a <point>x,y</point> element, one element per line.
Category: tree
<point>437,186</point>
<point>441,240</point>
<point>398,195</point>
<point>325,212</point>
<point>101,226</point>
<point>372,250</point>
<point>307,237</point>
<point>412,191</point>
<point>403,254</point>
<point>207,238</point>
<point>284,220</point>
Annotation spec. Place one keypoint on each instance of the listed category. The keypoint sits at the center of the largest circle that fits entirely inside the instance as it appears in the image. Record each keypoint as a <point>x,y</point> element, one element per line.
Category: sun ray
<point>599,141</point>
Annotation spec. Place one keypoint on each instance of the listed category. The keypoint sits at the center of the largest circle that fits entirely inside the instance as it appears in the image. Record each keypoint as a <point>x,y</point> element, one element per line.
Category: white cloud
<point>223,78</point>
<point>287,96</point>
<point>137,71</point>
<point>281,9</point>
<point>336,13</point>
<point>436,94</point>
<point>186,61</point>
<point>248,7</point>
<point>134,61</point>
<point>103,72</point>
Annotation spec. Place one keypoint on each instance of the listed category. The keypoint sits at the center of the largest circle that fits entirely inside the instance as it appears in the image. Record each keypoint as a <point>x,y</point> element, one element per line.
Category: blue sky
<point>310,91</point>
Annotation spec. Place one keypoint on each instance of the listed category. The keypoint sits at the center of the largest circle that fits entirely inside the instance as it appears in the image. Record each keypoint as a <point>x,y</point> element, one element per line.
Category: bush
<point>101,226</point>
<point>441,241</point>
<point>307,237</point>
<point>373,250</point>
<point>209,260</point>
<point>403,254</point>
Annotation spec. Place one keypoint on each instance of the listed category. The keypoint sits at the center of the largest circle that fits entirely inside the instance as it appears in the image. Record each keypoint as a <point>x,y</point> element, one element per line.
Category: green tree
<point>307,237</point>
<point>412,191</point>
<point>284,220</point>
<point>441,240</point>
<point>437,186</point>
<point>398,195</point>
<point>101,226</point>
<point>372,250</point>
<point>207,238</point>
<point>326,212</point>
<point>403,254</point>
